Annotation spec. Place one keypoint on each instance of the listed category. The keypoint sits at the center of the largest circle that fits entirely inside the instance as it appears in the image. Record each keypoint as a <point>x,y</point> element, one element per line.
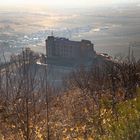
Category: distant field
<point>111,29</point>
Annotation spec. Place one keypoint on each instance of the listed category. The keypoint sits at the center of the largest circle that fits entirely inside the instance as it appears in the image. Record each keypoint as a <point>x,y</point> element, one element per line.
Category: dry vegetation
<point>102,103</point>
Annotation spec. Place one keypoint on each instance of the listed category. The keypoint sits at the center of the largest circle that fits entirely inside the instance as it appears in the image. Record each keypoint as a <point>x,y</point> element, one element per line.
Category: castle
<point>64,56</point>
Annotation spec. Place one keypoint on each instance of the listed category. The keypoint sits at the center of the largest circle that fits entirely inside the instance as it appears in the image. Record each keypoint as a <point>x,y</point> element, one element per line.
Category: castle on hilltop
<point>64,56</point>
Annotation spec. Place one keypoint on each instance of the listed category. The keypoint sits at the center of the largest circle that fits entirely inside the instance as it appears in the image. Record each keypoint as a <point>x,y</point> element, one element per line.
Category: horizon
<point>63,3</point>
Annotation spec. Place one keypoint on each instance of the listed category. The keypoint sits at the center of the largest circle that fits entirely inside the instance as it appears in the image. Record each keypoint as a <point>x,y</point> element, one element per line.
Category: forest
<point>101,103</point>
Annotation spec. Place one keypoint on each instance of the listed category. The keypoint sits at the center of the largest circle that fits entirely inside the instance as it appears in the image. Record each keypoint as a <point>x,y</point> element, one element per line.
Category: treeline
<point>101,102</point>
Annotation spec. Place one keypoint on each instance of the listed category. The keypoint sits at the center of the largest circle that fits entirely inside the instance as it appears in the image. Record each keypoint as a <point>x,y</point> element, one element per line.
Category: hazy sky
<point>64,2</point>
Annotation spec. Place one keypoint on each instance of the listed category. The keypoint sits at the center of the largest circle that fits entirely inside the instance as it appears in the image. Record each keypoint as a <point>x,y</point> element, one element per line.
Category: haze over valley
<point>111,27</point>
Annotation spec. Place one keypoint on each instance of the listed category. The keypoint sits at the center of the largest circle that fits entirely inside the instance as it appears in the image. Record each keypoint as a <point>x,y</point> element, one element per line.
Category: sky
<point>63,3</point>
